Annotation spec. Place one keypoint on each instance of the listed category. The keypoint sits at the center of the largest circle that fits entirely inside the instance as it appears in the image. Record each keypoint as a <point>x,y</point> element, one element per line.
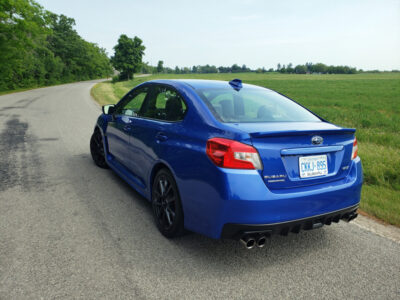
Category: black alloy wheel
<point>167,207</point>
<point>97,149</point>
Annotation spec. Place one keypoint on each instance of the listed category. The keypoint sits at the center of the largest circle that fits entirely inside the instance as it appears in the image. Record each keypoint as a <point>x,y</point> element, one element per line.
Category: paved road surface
<point>71,230</point>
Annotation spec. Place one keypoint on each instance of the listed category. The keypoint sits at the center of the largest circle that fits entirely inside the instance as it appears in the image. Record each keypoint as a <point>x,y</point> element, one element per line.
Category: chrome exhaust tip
<point>261,241</point>
<point>248,241</point>
<point>351,217</point>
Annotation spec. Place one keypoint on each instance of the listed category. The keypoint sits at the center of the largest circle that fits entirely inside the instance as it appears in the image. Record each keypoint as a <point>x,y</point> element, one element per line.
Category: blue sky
<point>364,34</point>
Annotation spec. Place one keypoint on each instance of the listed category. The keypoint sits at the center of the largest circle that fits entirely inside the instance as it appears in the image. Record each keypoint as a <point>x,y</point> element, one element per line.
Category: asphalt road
<point>71,230</point>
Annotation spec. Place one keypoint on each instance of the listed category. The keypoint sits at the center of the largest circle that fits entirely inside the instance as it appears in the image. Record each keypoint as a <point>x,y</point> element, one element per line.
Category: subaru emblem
<point>317,140</point>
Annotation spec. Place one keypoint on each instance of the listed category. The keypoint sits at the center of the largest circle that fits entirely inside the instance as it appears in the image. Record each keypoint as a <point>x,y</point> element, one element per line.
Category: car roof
<point>201,83</point>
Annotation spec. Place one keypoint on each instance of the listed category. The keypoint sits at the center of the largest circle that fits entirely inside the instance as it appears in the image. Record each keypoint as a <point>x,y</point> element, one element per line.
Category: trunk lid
<point>281,146</point>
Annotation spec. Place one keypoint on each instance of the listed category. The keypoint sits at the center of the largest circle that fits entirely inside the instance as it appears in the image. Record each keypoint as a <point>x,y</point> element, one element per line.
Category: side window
<point>167,105</point>
<point>133,103</point>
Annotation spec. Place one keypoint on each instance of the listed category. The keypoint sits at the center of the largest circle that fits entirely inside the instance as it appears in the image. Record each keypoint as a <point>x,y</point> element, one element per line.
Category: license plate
<point>312,166</point>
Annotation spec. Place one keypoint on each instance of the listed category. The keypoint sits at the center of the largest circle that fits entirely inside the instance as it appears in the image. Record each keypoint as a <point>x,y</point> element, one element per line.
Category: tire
<point>97,150</point>
<point>167,206</point>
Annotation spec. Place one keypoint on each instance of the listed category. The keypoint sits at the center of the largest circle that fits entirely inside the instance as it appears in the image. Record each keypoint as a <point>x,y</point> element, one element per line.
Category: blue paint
<point>213,196</point>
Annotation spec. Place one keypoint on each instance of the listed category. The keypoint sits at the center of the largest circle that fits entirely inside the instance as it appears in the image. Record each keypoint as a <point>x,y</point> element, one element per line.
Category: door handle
<point>127,128</point>
<point>161,137</point>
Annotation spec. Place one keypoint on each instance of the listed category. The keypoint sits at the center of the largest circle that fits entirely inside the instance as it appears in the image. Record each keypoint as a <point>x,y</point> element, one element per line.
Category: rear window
<point>253,106</point>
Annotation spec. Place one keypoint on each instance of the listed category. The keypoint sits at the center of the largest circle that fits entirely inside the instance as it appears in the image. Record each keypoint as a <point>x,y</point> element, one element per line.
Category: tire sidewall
<point>177,228</point>
<point>100,163</point>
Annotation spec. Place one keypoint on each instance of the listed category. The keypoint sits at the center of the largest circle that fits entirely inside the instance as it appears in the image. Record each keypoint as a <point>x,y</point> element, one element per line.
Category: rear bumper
<point>231,196</point>
<point>237,231</point>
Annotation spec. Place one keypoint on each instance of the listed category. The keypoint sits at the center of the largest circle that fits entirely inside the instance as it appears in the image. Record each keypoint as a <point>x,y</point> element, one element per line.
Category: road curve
<point>71,230</point>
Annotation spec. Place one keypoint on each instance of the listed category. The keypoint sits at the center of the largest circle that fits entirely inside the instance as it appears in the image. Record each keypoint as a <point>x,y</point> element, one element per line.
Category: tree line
<point>319,68</point>
<point>129,52</point>
<point>38,47</point>
<point>308,68</point>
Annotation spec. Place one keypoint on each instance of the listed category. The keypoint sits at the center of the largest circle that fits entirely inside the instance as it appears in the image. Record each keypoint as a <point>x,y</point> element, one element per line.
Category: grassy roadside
<point>368,102</point>
<point>103,93</point>
<point>18,90</point>
<point>40,87</point>
<point>108,93</point>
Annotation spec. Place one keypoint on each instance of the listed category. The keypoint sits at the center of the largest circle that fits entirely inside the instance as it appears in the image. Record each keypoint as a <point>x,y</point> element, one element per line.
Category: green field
<point>368,102</point>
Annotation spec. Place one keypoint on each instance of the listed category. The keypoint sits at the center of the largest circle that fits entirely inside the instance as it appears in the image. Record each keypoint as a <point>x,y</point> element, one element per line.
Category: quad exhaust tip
<point>350,217</point>
<point>250,242</point>
<point>261,241</point>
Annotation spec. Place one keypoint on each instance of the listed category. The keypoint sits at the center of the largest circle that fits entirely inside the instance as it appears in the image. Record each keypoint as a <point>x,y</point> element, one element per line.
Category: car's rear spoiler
<point>302,132</point>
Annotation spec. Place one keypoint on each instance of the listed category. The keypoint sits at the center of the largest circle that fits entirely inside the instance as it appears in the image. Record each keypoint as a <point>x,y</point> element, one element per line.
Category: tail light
<point>231,154</point>
<point>354,153</point>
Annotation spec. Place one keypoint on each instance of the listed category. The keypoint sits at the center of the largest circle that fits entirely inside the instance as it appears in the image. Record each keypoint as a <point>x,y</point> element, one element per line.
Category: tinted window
<point>132,103</point>
<point>166,104</point>
<point>253,105</point>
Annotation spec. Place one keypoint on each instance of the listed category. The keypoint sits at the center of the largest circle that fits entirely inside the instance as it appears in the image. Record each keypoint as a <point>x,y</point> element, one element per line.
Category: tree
<point>278,67</point>
<point>82,60</point>
<point>147,68</point>
<point>319,68</point>
<point>160,66</point>
<point>128,56</point>
<point>289,68</point>
<point>300,69</point>
<point>39,48</point>
<point>245,68</point>
<point>209,69</point>
<point>309,67</point>
<point>235,68</point>
<point>22,32</point>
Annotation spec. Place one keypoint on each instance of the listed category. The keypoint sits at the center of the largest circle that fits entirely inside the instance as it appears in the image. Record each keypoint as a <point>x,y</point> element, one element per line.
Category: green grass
<point>104,93</point>
<point>19,90</point>
<point>368,102</point>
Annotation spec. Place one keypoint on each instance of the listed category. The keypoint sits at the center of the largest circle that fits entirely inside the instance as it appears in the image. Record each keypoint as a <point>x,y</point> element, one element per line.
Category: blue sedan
<point>229,160</point>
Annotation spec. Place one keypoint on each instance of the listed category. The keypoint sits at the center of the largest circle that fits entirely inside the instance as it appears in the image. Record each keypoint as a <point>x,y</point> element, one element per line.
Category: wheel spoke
<point>97,146</point>
<point>164,218</point>
<point>168,216</point>
<point>170,200</point>
<point>165,204</point>
<point>169,189</point>
<point>171,212</point>
<point>162,187</point>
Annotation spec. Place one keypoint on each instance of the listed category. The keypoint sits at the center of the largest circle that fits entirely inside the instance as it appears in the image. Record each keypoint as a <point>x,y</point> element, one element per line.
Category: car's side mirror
<point>108,109</point>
